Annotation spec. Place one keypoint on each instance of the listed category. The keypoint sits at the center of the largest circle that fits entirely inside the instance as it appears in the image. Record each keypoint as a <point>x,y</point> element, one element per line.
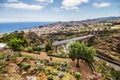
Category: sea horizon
<point>7,27</point>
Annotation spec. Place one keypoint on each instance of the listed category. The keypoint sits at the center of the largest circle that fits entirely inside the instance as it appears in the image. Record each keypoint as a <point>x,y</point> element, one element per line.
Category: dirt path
<point>84,68</point>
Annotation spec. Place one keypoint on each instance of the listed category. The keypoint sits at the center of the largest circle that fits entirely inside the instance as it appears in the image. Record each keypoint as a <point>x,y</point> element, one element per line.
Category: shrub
<point>61,75</point>
<point>58,55</point>
<point>3,70</point>
<point>1,63</point>
<point>107,72</point>
<point>45,61</point>
<point>36,52</point>
<point>2,56</point>
<point>36,48</point>
<point>50,77</point>
<point>29,57</point>
<point>57,62</point>
<point>115,74</point>
<point>57,67</point>
<point>14,55</point>
<point>48,46</point>
<point>40,67</point>
<point>63,69</point>
<point>77,75</point>
<point>49,51</point>
<point>32,72</point>
<point>48,70</point>
<point>64,66</point>
<point>29,49</point>
<point>51,63</point>
<point>25,65</point>
<point>71,72</point>
<point>39,49</point>
<point>62,55</point>
<point>55,72</point>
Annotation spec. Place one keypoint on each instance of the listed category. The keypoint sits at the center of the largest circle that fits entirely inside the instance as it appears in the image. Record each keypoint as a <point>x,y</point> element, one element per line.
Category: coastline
<point>9,27</point>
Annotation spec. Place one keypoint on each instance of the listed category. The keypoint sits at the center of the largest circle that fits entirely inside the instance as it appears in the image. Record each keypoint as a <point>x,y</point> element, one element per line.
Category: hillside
<point>84,22</point>
<point>108,42</point>
<point>39,59</point>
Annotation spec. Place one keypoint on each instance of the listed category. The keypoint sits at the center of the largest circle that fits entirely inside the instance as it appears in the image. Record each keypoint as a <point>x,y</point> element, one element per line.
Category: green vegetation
<point>77,75</point>
<point>50,77</point>
<point>3,56</point>
<point>46,69</point>
<point>61,75</point>
<point>15,44</point>
<point>20,41</point>
<point>62,55</point>
<point>107,72</point>
<point>3,70</point>
<point>2,66</point>
<point>25,65</point>
<point>7,37</point>
<point>48,46</point>
<point>32,38</point>
<point>29,57</point>
<point>107,41</point>
<point>81,51</point>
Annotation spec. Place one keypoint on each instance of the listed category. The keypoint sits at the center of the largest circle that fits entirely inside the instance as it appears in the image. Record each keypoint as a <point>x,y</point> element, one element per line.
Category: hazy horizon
<point>56,10</point>
<point>56,21</point>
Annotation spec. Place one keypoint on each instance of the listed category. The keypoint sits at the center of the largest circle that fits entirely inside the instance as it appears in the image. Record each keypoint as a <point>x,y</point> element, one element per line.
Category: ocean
<point>11,27</point>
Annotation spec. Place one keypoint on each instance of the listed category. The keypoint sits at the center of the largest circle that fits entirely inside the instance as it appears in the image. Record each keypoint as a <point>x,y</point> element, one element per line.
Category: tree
<point>48,46</point>
<point>74,52</point>
<point>16,44</point>
<point>19,35</point>
<point>32,37</point>
<point>90,52</point>
<point>81,51</point>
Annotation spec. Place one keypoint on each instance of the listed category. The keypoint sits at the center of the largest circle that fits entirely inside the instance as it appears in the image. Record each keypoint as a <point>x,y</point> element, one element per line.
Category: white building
<point>3,46</point>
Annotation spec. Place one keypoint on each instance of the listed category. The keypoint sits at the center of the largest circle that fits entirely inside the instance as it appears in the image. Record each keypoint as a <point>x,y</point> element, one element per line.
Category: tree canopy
<point>15,40</point>
<point>15,44</point>
<point>48,46</point>
<point>81,51</point>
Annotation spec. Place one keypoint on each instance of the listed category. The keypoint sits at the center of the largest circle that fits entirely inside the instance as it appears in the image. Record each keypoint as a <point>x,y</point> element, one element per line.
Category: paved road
<point>56,43</point>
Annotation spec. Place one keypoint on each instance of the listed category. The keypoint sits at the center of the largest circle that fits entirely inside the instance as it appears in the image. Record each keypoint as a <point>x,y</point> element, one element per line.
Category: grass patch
<point>29,57</point>
<point>59,55</point>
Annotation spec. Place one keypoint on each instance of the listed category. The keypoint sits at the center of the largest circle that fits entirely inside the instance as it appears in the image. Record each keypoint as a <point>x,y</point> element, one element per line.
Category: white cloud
<point>100,5</point>
<point>22,6</point>
<point>12,0</point>
<point>45,1</point>
<point>72,4</point>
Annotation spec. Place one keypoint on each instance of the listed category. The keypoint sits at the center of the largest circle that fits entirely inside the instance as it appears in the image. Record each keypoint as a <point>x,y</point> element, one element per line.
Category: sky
<point>56,10</point>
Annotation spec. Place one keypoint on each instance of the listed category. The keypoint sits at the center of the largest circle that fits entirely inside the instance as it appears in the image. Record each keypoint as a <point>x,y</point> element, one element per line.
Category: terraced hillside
<point>108,42</point>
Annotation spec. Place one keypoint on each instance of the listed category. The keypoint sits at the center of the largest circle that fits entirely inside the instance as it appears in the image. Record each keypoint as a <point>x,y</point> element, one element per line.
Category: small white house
<point>3,46</point>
